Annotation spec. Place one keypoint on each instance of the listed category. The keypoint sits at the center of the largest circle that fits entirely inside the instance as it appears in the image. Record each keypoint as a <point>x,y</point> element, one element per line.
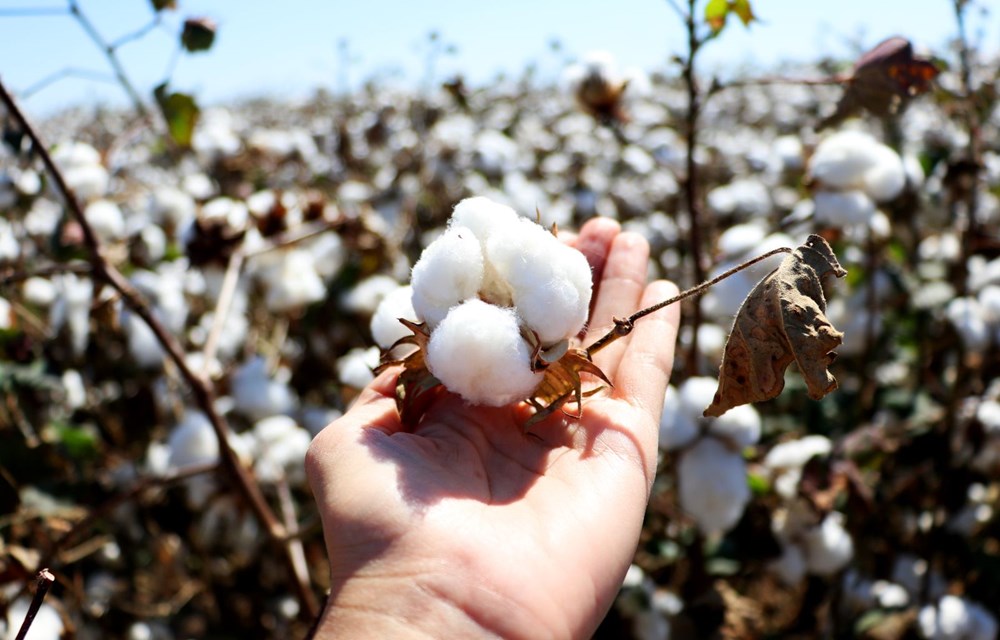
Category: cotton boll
<point>385,325</point>
<point>171,207</point>
<point>39,291</point>
<point>839,208</point>
<point>828,547</point>
<point>477,352</point>
<point>82,169</point>
<point>47,624</point>
<point>42,218</point>
<point>968,318</point>
<point>740,425</point>
<point>329,255</point>
<point>482,216</point>
<point>713,485</point>
<point>678,427</point>
<point>787,151</point>
<point>740,239</point>
<point>292,282</point>
<point>449,271</point>
<point>794,454</point>
<point>256,394</point>
<point>952,618</point>
<point>354,368</point>
<point>105,219</point>
<point>9,246</point>
<point>366,295</point>
<point>6,316</point>
<point>886,177</point>
<point>72,308</point>
<point>143,345</point>
<point>281,446</point>
<point>192,441</point>
<point>842,160</point>
<point>550,282</point>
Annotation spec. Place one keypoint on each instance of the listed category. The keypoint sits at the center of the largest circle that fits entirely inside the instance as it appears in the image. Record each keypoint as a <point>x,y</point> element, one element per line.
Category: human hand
<point>465,525</point>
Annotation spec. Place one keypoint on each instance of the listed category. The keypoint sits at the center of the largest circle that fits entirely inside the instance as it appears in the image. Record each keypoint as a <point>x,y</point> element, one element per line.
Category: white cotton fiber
<point>449,271</point>
<point>550,283</point>
<point>828,547</point>
<point>482,216</point>
<point>713,485</point>
<point>477,352</point>
<point>842,207</point>
<point>794,454</point>
<point>385,325</point>
<point>790,566</point>
<point>740,425</point>
<point>955,618</point>
<point>678,427</point>
<point>855,160</point>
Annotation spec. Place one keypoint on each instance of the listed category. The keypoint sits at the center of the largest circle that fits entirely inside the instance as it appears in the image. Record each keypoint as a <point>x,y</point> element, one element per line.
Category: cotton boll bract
<point>477,352</point>
<point>713,485</point>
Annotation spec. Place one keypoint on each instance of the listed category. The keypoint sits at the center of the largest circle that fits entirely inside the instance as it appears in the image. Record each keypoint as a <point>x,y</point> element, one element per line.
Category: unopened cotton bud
<point>477,352</point>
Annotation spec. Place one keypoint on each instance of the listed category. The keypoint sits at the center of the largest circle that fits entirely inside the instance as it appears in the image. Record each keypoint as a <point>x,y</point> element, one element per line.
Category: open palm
<point>466,525</point>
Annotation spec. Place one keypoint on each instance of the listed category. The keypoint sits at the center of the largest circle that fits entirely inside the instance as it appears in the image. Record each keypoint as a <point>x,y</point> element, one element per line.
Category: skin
<point>466,526</point>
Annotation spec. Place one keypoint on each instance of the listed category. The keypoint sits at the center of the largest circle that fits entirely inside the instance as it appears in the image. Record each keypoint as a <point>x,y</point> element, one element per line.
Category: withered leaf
<point>783,319</point>
<point>883,78</point>
<point>415,382</point>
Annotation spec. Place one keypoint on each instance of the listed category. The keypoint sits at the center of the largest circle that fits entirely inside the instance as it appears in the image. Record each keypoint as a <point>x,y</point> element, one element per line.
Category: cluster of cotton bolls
<point>282,337</point>
<point>491,276</point>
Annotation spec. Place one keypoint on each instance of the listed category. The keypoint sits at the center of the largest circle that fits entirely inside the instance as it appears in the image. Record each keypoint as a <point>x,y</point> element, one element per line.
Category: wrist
<point>422,605</point>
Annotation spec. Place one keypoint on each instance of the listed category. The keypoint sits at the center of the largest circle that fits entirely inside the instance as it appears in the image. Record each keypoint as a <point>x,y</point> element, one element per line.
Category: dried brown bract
<point>783,319</point>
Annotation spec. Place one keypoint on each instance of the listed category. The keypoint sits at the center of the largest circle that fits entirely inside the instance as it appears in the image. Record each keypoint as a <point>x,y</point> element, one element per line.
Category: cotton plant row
<point>532,151</point>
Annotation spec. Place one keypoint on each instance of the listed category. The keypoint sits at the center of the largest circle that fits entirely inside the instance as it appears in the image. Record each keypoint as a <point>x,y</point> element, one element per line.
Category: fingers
<point>645,366</point>
<point>618,293</point>
<point>594,242</point>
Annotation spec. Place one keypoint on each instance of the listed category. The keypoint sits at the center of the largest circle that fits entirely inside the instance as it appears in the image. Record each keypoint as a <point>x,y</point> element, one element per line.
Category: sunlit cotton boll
<point>550,283</point>
<point>828,547</point>
<point>477,352</point>
<point>47,624</point>
<point>256,394</point>
<point>354,368</point>
<point>969,319</point>
<point>105,218</point>
<point>280,445</point>
<point>483,216</point>
<point>713,485</point>
<point>842,207</point>
<point>678,427</point>
<point>955,618</point>
<point>385,325</point>
<point>292,282</point>
<point>82,169</point>
<point>740,425</point>
<point>365,297</point>
<point>855,160</point>
<point>785,461</point>
<point>449,271</point>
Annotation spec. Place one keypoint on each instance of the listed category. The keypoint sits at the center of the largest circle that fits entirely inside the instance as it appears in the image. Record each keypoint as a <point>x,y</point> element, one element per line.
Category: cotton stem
<point>624,326</point>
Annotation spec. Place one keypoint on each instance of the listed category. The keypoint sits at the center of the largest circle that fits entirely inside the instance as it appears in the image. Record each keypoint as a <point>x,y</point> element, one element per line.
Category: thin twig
<point>109,53</point>
<point>68,72</point>
<point>12,276</point>
<point>201,388</point>
<point>294,543</point>
<point>44,580</point>
<point>226,293</point>
<point>138,33</point>
<point>692,201</point>
<point>624,326</point>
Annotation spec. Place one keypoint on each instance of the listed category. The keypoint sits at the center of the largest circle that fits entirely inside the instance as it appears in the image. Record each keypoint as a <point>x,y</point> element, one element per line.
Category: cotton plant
<point>711,471</point>
<point>852,173</point>
<point>956,618</point>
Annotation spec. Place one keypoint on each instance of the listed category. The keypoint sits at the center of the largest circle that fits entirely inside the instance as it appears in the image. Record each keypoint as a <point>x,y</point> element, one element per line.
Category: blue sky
<point>293,46</point>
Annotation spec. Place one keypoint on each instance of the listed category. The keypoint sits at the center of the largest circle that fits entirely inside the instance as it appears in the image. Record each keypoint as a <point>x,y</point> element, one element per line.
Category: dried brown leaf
<point>783,319</point>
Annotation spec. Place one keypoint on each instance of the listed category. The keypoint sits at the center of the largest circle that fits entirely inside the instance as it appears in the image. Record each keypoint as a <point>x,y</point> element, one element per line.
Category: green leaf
<point>198,34</point>
<point>759,485</point>
<point>716,12</point>
<point>79,441</point>
<point>743,9</point>
<point>181,113</point>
